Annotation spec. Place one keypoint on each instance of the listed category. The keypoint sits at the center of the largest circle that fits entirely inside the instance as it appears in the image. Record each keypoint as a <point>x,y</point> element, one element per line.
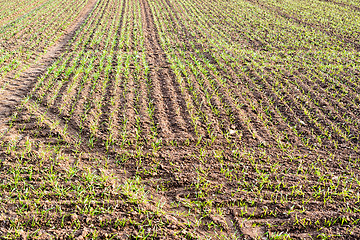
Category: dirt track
<point>18,88</point>
<point>206,142</point>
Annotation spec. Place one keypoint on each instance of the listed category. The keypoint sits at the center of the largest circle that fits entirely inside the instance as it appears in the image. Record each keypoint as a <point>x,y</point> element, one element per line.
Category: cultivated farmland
<point>179,119</point>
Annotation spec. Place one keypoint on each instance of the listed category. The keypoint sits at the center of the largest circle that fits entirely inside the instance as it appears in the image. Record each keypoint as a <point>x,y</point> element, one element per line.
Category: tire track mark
<point>170,121</point>
<point>20,87</point>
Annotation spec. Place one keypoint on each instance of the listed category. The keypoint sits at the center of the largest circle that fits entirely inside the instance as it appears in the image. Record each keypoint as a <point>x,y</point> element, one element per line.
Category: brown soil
<point>18,88</point>
<point>239,186</point>
<point>347,39</point>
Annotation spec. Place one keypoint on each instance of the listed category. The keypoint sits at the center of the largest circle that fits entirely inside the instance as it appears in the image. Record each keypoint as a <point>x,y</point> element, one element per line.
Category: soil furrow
<point>12,96</point>
<point>320,28</point>
<point>171,122</point>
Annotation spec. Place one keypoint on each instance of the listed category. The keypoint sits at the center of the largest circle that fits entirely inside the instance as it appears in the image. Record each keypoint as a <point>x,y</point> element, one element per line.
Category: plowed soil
<point>270,172</point>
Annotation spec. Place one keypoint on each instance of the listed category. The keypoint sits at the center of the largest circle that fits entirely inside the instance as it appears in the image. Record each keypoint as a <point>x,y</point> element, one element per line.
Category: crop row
<point>233,118</point>
<point>284,89</point>
<point>27,38</point>
<point>14,10</point>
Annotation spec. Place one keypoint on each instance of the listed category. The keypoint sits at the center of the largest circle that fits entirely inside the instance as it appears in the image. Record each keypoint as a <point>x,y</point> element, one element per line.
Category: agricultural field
<point>179,119</point>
